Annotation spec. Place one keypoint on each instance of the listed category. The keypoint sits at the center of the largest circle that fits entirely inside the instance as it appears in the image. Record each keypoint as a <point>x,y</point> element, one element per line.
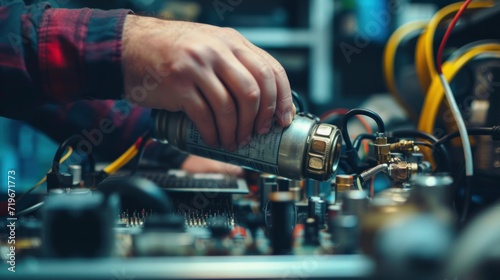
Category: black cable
<point>358,111</point>
<point>70,142</point>
<point>414,134</point>
<point>299,101</point>
<point>425,144</point>
<point>352,154</point>
<point>359,139</point>
<point>140,151</point>
<point>467,199</point>
<point>471,131</point>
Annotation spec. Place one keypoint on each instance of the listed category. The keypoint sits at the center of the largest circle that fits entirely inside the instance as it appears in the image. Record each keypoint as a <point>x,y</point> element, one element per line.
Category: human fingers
<point>222,106</point>
<point>285,110</point>
<point>245,91</point>
<point>201,115</point>
<point>264,75</point>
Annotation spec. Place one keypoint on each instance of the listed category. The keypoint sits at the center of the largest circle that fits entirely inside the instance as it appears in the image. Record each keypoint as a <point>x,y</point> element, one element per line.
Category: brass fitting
<point>405,146</point>
<point>344,182</point>
<point>382,149</point>
<point>402,171</point>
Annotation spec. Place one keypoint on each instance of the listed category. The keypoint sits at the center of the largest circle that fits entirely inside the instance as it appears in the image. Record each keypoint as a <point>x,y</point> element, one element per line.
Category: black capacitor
<point>311,232</point>
<point>316,208</point>
<point>282,222</point>
<point>273,186</point>
<point>284,184</point>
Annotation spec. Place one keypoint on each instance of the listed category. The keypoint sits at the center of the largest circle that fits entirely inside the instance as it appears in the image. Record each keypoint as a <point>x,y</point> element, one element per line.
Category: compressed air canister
<point>305,149</point>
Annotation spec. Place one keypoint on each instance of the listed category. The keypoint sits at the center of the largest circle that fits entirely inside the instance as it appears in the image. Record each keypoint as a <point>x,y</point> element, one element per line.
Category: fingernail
<point>287,118</point>
<point>265,129</point>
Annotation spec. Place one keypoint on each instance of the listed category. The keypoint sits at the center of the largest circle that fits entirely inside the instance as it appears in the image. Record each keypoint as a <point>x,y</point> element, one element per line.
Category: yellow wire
<point>435,93</point>
<point>122,160</point>
<point>424,56</point>
<point>390,57</point>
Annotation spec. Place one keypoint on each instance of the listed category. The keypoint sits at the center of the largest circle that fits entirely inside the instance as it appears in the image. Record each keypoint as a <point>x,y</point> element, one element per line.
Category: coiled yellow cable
<point>435,92</point>
<point>390,57</point>
<point>424,56</point>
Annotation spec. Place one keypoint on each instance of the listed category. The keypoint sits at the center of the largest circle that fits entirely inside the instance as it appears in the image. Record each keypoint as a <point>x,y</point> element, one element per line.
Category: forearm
<point>58,56</point>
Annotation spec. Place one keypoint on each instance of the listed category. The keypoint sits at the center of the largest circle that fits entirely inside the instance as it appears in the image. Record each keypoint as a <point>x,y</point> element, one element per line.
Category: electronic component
<point>78,225</point>
<point>282,223</point>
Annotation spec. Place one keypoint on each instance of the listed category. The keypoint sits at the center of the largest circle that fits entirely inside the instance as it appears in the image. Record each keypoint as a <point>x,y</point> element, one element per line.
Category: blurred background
<point>332,51</point>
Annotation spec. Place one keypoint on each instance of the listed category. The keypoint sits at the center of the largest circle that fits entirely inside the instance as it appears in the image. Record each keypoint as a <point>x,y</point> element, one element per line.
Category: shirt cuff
<point>80,54</point>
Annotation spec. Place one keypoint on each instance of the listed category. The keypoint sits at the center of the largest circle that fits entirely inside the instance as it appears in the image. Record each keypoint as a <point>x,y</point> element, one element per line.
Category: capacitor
<point>435,190</point>
<point>345,234</point>
<point>311,232</point>
<point>342,183</point>
<point>354,202</point>
<point>305,149</point>
<point>282,222</point>
<point>333,211</point>
<point>66,180</point>
<point>76,171</point>
<point>284,184</point>
<point>316,208</point>
<point>265,187</point>
<point>297,190</point>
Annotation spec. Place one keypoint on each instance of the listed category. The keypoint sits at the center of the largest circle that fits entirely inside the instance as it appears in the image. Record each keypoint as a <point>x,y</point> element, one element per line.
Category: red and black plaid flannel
<point>52,57</point>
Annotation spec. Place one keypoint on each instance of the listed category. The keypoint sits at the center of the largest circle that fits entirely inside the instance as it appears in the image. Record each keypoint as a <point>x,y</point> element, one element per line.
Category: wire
<point>352,154</point>
<point>361,137</point>
<point>390,58</point>
<point>127,156</point>
<point>30,209</point>
<point>342,112</point>
<point>470,131</point>
<point>446,36</point>
<point>359,111</point>
<point>65,157</point>
<point>469,163</point>
<point>424,56</point>
<point>467,198</point>
<point>358,183</point>
<point>435,92</point>
<point>145,139</point>
<point>425,144</point>
<point>70,142</point>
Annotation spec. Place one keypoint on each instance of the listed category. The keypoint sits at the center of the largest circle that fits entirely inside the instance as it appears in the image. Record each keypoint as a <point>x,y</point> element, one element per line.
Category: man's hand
<point>196,164</point>
<point>227,86</point>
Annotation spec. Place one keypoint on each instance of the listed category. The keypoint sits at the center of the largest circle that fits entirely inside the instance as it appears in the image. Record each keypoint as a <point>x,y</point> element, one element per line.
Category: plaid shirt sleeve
<point>58,56</point>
